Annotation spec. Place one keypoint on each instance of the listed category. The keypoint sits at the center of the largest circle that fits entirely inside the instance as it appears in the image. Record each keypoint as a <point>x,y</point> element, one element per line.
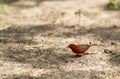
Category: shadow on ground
<point>10,1</point>
<point>23,77</point>
<point>38,58</point>
<point>75,74</point>
<point>114,57</point>
<point>34,56</point>
<point>24,5</point>
<point>22,34</point>
<point>106,33</point>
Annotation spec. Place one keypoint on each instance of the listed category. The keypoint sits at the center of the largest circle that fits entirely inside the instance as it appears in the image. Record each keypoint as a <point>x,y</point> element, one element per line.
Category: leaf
<point>3,10</point>
<point>2,7</point>
<point>80,13</point>
<point>53,22</point>
<point>113,4</point>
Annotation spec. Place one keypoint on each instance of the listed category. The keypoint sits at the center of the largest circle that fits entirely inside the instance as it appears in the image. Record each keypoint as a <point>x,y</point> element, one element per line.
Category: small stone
<point>50,33</point>
<point>114,26</point>
<point>107,51</point>
<point>58,67</point>
<point>1,64</point>
<point>66,61</point>
<point>42,46</point>
<point>72,60</point>
<point>63,13</point>
<point>16,78</point>
<point>113,43</point>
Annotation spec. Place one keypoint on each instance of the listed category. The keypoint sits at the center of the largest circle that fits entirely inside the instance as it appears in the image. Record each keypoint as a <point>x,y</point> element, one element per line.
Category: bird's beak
<point>68,46</point>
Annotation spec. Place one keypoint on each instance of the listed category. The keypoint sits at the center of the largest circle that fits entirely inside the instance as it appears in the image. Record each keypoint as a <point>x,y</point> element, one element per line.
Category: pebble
<point>107,51</point>
<point>113,43</point>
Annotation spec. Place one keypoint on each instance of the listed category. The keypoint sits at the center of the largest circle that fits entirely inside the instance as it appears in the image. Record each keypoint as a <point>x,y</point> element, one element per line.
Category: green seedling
<point>113,4</point>
<point>2,10</point>
<point>53,21</point>
<point>80,13</point>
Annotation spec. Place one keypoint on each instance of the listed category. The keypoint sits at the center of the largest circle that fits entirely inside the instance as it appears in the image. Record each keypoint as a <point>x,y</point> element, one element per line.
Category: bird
<point>80,49</point>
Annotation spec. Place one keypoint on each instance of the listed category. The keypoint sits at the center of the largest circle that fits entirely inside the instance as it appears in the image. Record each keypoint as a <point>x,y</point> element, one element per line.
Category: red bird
<point>79,49</point>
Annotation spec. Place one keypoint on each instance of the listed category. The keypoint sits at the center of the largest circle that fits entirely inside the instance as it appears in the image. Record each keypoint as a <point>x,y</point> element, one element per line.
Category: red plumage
<point>79,49</point>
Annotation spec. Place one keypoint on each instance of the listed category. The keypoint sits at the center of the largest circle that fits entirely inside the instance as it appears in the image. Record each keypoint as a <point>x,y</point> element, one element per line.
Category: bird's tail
<point>97,45</point>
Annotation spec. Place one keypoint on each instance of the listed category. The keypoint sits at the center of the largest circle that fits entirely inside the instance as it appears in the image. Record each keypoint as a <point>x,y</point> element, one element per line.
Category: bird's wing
<point>82,48</point>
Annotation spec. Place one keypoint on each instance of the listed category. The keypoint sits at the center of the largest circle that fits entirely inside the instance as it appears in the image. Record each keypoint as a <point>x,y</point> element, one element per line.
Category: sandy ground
<point>33,48</point>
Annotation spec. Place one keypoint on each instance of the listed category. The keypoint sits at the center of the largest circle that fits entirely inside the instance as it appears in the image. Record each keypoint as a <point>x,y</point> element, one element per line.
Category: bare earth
<point>33,48</point>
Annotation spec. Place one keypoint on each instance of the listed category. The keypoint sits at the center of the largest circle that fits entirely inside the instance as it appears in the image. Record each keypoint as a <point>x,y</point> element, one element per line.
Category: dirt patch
<point>33,48</point>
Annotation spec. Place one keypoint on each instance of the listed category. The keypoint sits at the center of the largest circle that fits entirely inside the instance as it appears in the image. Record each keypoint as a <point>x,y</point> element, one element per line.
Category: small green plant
<point>113,4</point>
<point>80,13</point>
<point>2,10</point>
<point>53,21</point>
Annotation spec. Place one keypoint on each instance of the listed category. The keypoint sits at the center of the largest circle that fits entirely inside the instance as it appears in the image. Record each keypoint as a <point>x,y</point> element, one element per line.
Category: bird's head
<point>71,46</point>
<point>74,48</point>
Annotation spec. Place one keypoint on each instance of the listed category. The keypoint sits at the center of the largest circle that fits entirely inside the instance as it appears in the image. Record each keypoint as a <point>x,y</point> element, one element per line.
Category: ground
<point>31,47</point>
